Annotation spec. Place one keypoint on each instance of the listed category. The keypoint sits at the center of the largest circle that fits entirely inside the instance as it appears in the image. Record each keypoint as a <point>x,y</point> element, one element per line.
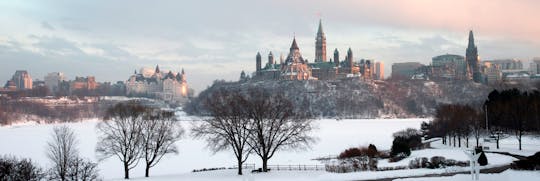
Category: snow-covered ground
<point>530,145</point>
<point>29,140</point>
<point>507,175</point>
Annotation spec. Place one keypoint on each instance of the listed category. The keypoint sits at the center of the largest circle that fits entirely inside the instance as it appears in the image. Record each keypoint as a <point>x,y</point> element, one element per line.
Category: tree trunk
<point>459,141</point>
<point>454,141</point>
<point>265,164</point>
<point>126,170</point>
<point>477,140</point>
<point>467,142</point>
<point>498,141</point>
<point>519,140</point>
<point>147,171</point>
<point>240,166</point>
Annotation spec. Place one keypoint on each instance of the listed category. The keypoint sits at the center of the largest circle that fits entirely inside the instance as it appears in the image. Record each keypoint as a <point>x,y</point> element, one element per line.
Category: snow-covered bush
<point>437,161</point>
<point>355,164</point>
<point>419,163</point>
<point>370,151</point>
<point>12,168</point>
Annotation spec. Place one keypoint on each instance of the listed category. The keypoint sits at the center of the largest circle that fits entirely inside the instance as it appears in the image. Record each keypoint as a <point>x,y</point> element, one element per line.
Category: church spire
<point>157,69</point>
<point>471,40</point>
<point>320,30</point>
<point>320,45</point>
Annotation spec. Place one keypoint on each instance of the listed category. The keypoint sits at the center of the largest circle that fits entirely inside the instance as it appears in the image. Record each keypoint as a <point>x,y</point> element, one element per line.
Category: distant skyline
<point>218,39</point>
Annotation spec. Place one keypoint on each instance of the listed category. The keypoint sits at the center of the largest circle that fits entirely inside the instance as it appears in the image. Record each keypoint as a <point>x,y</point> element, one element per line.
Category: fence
<point>296,167</point>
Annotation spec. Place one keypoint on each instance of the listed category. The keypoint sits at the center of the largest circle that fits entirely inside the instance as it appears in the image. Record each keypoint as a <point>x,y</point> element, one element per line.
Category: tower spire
<point>320,44</point>
<point>320,30</point>
<point>471,39</point>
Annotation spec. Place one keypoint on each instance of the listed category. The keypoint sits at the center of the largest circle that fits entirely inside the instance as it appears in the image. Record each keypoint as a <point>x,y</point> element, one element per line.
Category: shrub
<point>421,162</point>
<point>12,168</point>
<point>398,157</point>
<point>372,151</point>
<point>400,145</point>
<point>411,136</point>
<point>351,152</point>
<point>482,160</point>
<point>437,162</point>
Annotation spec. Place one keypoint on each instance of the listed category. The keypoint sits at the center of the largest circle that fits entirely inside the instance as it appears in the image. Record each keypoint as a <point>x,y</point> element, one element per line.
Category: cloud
<point>218,39</point>
<point>46,25</point>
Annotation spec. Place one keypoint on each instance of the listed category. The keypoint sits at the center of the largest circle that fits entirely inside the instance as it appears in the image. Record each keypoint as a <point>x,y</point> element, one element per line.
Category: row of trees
<point>454,122</point>
<point>133,132</point>
<point>513,111</point>
<point>509,112</point>
<point>253,121</point>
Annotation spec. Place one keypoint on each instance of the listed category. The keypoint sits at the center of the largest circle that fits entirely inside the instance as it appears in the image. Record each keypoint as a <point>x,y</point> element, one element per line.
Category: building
<point>21,79</point>
<point>169,86</point>
<point>472,59</point>
<point>534,66</point>
<point>379,71</point>
<point>320,45</point>
<point>493,73</point>
<point>52,81</point>
<point>405,70</point>
<point>296,67</point>
<point>83,85</point>
<point>450,66</point>
<point>507,64</point>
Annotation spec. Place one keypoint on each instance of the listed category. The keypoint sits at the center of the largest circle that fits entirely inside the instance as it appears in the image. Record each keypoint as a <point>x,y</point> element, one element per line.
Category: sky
<point>210,39</point>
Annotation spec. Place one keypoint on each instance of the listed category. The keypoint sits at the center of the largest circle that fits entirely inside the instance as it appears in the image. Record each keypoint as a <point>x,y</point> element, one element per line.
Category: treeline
<point>15,110</point>
<point>509,112</point>
<point>339,99</point>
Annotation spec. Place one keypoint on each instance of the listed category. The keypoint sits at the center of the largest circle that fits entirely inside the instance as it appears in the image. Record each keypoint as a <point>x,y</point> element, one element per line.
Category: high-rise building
<point>473,62</point>
<point>22,79</point>
<point>534,66</point>
<point>453,65</point>
<point>379,71</point>
<point>53,79</point>
<point>320,45</point>
<point>405,70</point>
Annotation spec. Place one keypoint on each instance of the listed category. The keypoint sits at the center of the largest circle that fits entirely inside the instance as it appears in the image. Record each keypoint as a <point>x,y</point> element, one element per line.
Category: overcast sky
<point>218,39</point>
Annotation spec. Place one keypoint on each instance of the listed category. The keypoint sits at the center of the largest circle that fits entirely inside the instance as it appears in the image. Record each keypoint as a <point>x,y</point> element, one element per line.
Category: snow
<point>29,140</point>
<point>530,145</point>
<point>504,176</point>
<point>449,153</point>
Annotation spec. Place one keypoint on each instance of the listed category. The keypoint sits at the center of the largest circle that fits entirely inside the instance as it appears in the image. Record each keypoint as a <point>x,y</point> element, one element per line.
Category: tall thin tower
<point>471,56</point>
<point>320,45</point>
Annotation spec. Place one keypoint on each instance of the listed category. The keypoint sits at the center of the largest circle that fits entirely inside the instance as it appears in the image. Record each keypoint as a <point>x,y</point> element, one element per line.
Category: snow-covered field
<point>29,140</point>
<point>504,176</point>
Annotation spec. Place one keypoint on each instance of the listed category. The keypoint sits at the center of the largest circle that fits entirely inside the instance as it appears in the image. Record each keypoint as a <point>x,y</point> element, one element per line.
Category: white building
<point>53,79</point>
<point>166,86</point>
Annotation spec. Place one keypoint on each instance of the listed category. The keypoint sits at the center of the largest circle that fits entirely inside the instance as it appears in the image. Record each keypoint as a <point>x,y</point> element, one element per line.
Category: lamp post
<point>486,110</point>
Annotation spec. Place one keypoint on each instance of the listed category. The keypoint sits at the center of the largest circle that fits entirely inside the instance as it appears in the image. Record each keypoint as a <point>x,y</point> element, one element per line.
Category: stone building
<point>296,67</point>
<point>168,86</point>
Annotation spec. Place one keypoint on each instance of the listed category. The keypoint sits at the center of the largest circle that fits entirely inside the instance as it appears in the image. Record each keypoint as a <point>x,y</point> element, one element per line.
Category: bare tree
<point>276,125</point>
<point>62,151</point>
<point>229,126</point>
<point>83,170</point>
<point>121,134</point>
<point>160,131</point>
